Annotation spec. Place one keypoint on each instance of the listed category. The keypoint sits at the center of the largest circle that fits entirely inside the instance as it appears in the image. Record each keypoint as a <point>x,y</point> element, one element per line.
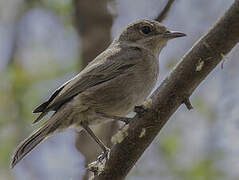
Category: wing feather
<point>93,75</point>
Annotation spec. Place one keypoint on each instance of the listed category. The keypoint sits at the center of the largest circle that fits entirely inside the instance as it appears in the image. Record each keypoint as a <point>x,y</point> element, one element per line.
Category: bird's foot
<point>126,120</point>
<point>104,156</point>
<point>98,166</point>
<point>140,109</point>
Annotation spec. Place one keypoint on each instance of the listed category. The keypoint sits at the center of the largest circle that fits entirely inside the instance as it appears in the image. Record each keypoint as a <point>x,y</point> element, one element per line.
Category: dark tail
<point>33,140</point>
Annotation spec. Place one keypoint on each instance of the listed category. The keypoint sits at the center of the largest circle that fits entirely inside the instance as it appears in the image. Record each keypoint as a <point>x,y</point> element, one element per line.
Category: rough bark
<point>175,90</point>
<point>94,26</point>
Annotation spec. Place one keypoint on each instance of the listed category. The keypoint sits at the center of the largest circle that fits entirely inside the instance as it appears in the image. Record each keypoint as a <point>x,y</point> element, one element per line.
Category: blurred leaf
<point>169,145</point>
<point>202,170</point>
<point>204,108</point>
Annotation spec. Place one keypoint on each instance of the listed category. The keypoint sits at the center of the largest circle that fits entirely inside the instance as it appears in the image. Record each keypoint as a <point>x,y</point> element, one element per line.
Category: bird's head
<point>149,34</point>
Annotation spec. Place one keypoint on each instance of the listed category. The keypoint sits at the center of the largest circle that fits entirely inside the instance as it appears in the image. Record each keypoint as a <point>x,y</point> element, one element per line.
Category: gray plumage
<point>118,79</point>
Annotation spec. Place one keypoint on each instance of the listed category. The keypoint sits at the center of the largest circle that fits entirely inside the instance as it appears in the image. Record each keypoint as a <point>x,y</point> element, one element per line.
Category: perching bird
<point>109,87</point>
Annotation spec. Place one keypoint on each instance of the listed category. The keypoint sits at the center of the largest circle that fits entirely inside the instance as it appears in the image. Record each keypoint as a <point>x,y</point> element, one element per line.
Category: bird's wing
<point>107,67</point>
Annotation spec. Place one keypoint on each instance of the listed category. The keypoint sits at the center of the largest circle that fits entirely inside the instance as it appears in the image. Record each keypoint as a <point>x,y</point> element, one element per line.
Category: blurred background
<point>43,43</point>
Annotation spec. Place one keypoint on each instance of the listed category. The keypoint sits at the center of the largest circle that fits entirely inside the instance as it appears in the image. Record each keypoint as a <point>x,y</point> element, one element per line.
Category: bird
<point>108,88</point>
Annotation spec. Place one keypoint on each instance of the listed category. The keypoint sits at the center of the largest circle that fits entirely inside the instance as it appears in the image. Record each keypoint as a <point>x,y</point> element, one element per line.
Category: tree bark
<point>175,90</point>
<point>93,23</point>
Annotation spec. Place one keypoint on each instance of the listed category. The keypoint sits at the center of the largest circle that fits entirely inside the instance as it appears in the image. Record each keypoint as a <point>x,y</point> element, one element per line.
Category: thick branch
<point>180,83</point>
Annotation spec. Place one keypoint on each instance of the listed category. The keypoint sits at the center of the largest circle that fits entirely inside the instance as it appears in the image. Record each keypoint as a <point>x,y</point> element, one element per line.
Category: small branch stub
<point>187,103</point>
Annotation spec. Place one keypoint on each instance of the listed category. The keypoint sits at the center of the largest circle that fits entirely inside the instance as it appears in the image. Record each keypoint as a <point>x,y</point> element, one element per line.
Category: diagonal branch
<point>165,11</point>
<point>180,84</point>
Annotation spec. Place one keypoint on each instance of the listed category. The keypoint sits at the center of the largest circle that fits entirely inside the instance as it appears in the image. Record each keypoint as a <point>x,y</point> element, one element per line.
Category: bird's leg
<point>126,120</point>
<point>138,109</point>
<point>98,141</point>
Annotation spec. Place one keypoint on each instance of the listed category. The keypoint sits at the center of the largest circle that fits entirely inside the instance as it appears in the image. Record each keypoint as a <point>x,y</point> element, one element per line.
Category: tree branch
<point>180,83</point>
<point>164,12</point>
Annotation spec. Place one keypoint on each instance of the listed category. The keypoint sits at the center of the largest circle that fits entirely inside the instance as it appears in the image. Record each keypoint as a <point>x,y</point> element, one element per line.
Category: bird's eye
<point>146,29</point>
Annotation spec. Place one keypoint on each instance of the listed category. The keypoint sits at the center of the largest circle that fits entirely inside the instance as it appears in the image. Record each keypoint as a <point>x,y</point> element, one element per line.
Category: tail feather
<point>40,117</point>
<point>32,141</point>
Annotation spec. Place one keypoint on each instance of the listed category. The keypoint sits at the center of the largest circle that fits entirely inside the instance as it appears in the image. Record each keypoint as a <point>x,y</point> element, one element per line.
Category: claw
<point>140,109</point>
<point>104,156</point>
<point>98,166</point>
<point>126,120</point>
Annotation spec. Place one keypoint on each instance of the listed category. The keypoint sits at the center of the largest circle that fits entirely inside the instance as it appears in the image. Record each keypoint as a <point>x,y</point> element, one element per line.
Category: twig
<point>164,12</point>
<point>187,103</point>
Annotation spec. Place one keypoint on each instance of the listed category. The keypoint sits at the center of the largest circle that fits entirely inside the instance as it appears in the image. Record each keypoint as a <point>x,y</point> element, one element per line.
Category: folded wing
<point>105,67</point>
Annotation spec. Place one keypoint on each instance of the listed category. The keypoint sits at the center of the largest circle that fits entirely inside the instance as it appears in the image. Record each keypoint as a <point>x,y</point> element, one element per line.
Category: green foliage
<point>61,7</point>
<point>201,170</point>
<point>169,145</point>
<point>204,108</point>
<point>19,93</point>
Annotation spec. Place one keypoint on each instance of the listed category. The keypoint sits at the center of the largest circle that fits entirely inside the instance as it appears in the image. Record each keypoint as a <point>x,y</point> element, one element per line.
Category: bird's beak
<point>173,34</point>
